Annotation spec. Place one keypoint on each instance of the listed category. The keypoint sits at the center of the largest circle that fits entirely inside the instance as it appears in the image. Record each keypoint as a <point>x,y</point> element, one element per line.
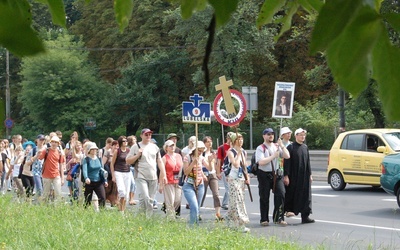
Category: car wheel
<point>398,197</point>
<point>336,180</point>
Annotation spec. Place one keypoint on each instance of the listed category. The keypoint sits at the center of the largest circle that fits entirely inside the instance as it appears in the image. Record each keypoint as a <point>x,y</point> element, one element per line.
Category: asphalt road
<point>359,217</point>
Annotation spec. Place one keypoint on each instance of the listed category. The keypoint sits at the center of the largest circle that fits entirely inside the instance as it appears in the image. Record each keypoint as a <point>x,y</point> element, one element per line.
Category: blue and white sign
<point>196,111</point>
<point>9,123</point>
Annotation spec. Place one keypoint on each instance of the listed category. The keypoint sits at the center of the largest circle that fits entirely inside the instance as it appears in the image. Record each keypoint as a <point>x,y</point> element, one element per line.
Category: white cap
<point>285,130</point>
<point>192,139</point>
<point>300,130</point>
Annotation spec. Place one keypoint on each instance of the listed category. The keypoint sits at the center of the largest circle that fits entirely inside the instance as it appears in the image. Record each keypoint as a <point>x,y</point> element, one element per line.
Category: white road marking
<point>347,224</point>
<point>325,195</point>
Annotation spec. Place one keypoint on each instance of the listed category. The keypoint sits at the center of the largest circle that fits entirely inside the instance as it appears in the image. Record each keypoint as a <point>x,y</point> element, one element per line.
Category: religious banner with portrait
<point>283,100</point>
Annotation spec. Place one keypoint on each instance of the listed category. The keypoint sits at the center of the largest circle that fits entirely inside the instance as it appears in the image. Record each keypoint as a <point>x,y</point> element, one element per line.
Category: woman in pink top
<point>172,191</point>
<point>193,188</point>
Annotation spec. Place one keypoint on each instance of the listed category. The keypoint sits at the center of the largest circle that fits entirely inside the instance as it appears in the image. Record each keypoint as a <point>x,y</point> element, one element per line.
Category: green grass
<point>28,226</point>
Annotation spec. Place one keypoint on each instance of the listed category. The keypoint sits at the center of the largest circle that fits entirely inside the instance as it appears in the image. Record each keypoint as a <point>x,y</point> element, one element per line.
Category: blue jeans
<point>38,184</point>
<point>194,202</point>
<point>133,184</point>
<point>225,201</point>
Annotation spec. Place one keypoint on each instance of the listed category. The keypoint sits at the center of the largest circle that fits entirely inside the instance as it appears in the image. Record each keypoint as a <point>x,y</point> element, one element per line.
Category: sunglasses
<point>270,134</point>
<point>171,145</point>
<point>148,134</point>
<point>124,140</point>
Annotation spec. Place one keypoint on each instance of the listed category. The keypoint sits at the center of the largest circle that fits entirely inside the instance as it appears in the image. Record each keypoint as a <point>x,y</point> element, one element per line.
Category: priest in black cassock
<point>298,178</point>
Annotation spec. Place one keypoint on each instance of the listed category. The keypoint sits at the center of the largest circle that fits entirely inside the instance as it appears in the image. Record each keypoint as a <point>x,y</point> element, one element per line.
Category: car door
<point>372,159</point>
<point>351,154</point>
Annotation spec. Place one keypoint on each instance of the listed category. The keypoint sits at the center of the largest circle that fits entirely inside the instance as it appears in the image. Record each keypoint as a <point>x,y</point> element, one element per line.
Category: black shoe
<point>187,206</point>
<point>224,207</point>
<point>163,208</point>
<point>307,220</point>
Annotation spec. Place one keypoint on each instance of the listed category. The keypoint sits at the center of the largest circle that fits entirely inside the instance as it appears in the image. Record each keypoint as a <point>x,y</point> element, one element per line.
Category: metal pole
<point>251,121</point>
<point>342,120</point>
<point>7,92</point>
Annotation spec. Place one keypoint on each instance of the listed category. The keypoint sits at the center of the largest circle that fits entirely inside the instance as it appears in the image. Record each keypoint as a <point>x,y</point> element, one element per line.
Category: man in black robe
<point>298,178</point>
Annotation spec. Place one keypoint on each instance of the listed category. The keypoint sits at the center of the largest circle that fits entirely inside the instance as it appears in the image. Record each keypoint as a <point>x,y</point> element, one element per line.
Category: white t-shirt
<point>147,168</point>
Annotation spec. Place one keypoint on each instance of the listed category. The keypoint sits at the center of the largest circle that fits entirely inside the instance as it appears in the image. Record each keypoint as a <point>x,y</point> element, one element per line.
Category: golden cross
<point>226,94</point>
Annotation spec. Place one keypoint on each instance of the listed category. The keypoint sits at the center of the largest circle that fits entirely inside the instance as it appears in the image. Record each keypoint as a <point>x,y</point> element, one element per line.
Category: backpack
<point>227,165</point>
<point>103,175</point>
<point>45,157</point>
<point>254,165</point>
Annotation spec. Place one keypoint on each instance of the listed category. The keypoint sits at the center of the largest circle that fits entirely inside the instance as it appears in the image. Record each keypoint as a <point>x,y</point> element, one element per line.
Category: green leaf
<point>188,7</point>
<point>57,11</point>
<point>287,19</point>
<point>394,20</point>
<point>309,5</point>
<point>349,55</point>
<point>16,33</point>
<point>268,10</point>
<point>385,62</point>
<point>123,12</point>
<point>314,4</point>
<point>332,20</point>
<point>223,10</point>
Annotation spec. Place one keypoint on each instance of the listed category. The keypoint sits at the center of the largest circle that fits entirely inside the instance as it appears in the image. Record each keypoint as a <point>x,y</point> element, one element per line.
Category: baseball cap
<point>268,130</point>
<point>300,130</point>
<point>285,130</point>
<point>40,137</point>
<point>146,130</point>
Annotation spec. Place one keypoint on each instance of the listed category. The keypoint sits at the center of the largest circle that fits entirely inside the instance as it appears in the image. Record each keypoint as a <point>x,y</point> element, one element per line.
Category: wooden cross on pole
<point>224,87</point>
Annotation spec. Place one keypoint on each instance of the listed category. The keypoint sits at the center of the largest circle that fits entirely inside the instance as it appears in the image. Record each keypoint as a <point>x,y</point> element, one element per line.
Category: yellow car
<point>356,155</point>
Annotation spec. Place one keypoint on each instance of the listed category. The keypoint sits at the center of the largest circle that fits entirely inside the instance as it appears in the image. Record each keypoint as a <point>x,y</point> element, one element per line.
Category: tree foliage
<point>61,88</point>
<point>353,34</point>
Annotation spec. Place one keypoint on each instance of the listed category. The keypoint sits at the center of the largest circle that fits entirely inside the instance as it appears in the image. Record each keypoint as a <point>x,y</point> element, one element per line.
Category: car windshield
<point>393,139</point>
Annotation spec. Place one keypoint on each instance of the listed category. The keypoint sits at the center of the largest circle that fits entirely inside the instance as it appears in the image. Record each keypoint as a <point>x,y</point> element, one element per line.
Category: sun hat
<point>92,146</point>
<point>285,130</point>
<point>200,144</point>
<point>55,139</point>
<point>172,135</point>
<point>25,144</point>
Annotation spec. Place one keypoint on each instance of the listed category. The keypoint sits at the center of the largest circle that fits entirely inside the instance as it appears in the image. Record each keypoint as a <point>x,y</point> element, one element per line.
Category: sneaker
<point>155,207</point>
<point>289,214</point>
<point>307,220</point>
<point>246,230</point>
<point>187,206</point>
<point>281,223</point>
<point>264,223</point>
<point>224,207</point>
<point>200,219</point>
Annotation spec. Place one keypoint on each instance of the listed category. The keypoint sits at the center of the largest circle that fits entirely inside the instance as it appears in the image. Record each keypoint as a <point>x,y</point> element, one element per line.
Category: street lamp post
<point>8,130</point>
